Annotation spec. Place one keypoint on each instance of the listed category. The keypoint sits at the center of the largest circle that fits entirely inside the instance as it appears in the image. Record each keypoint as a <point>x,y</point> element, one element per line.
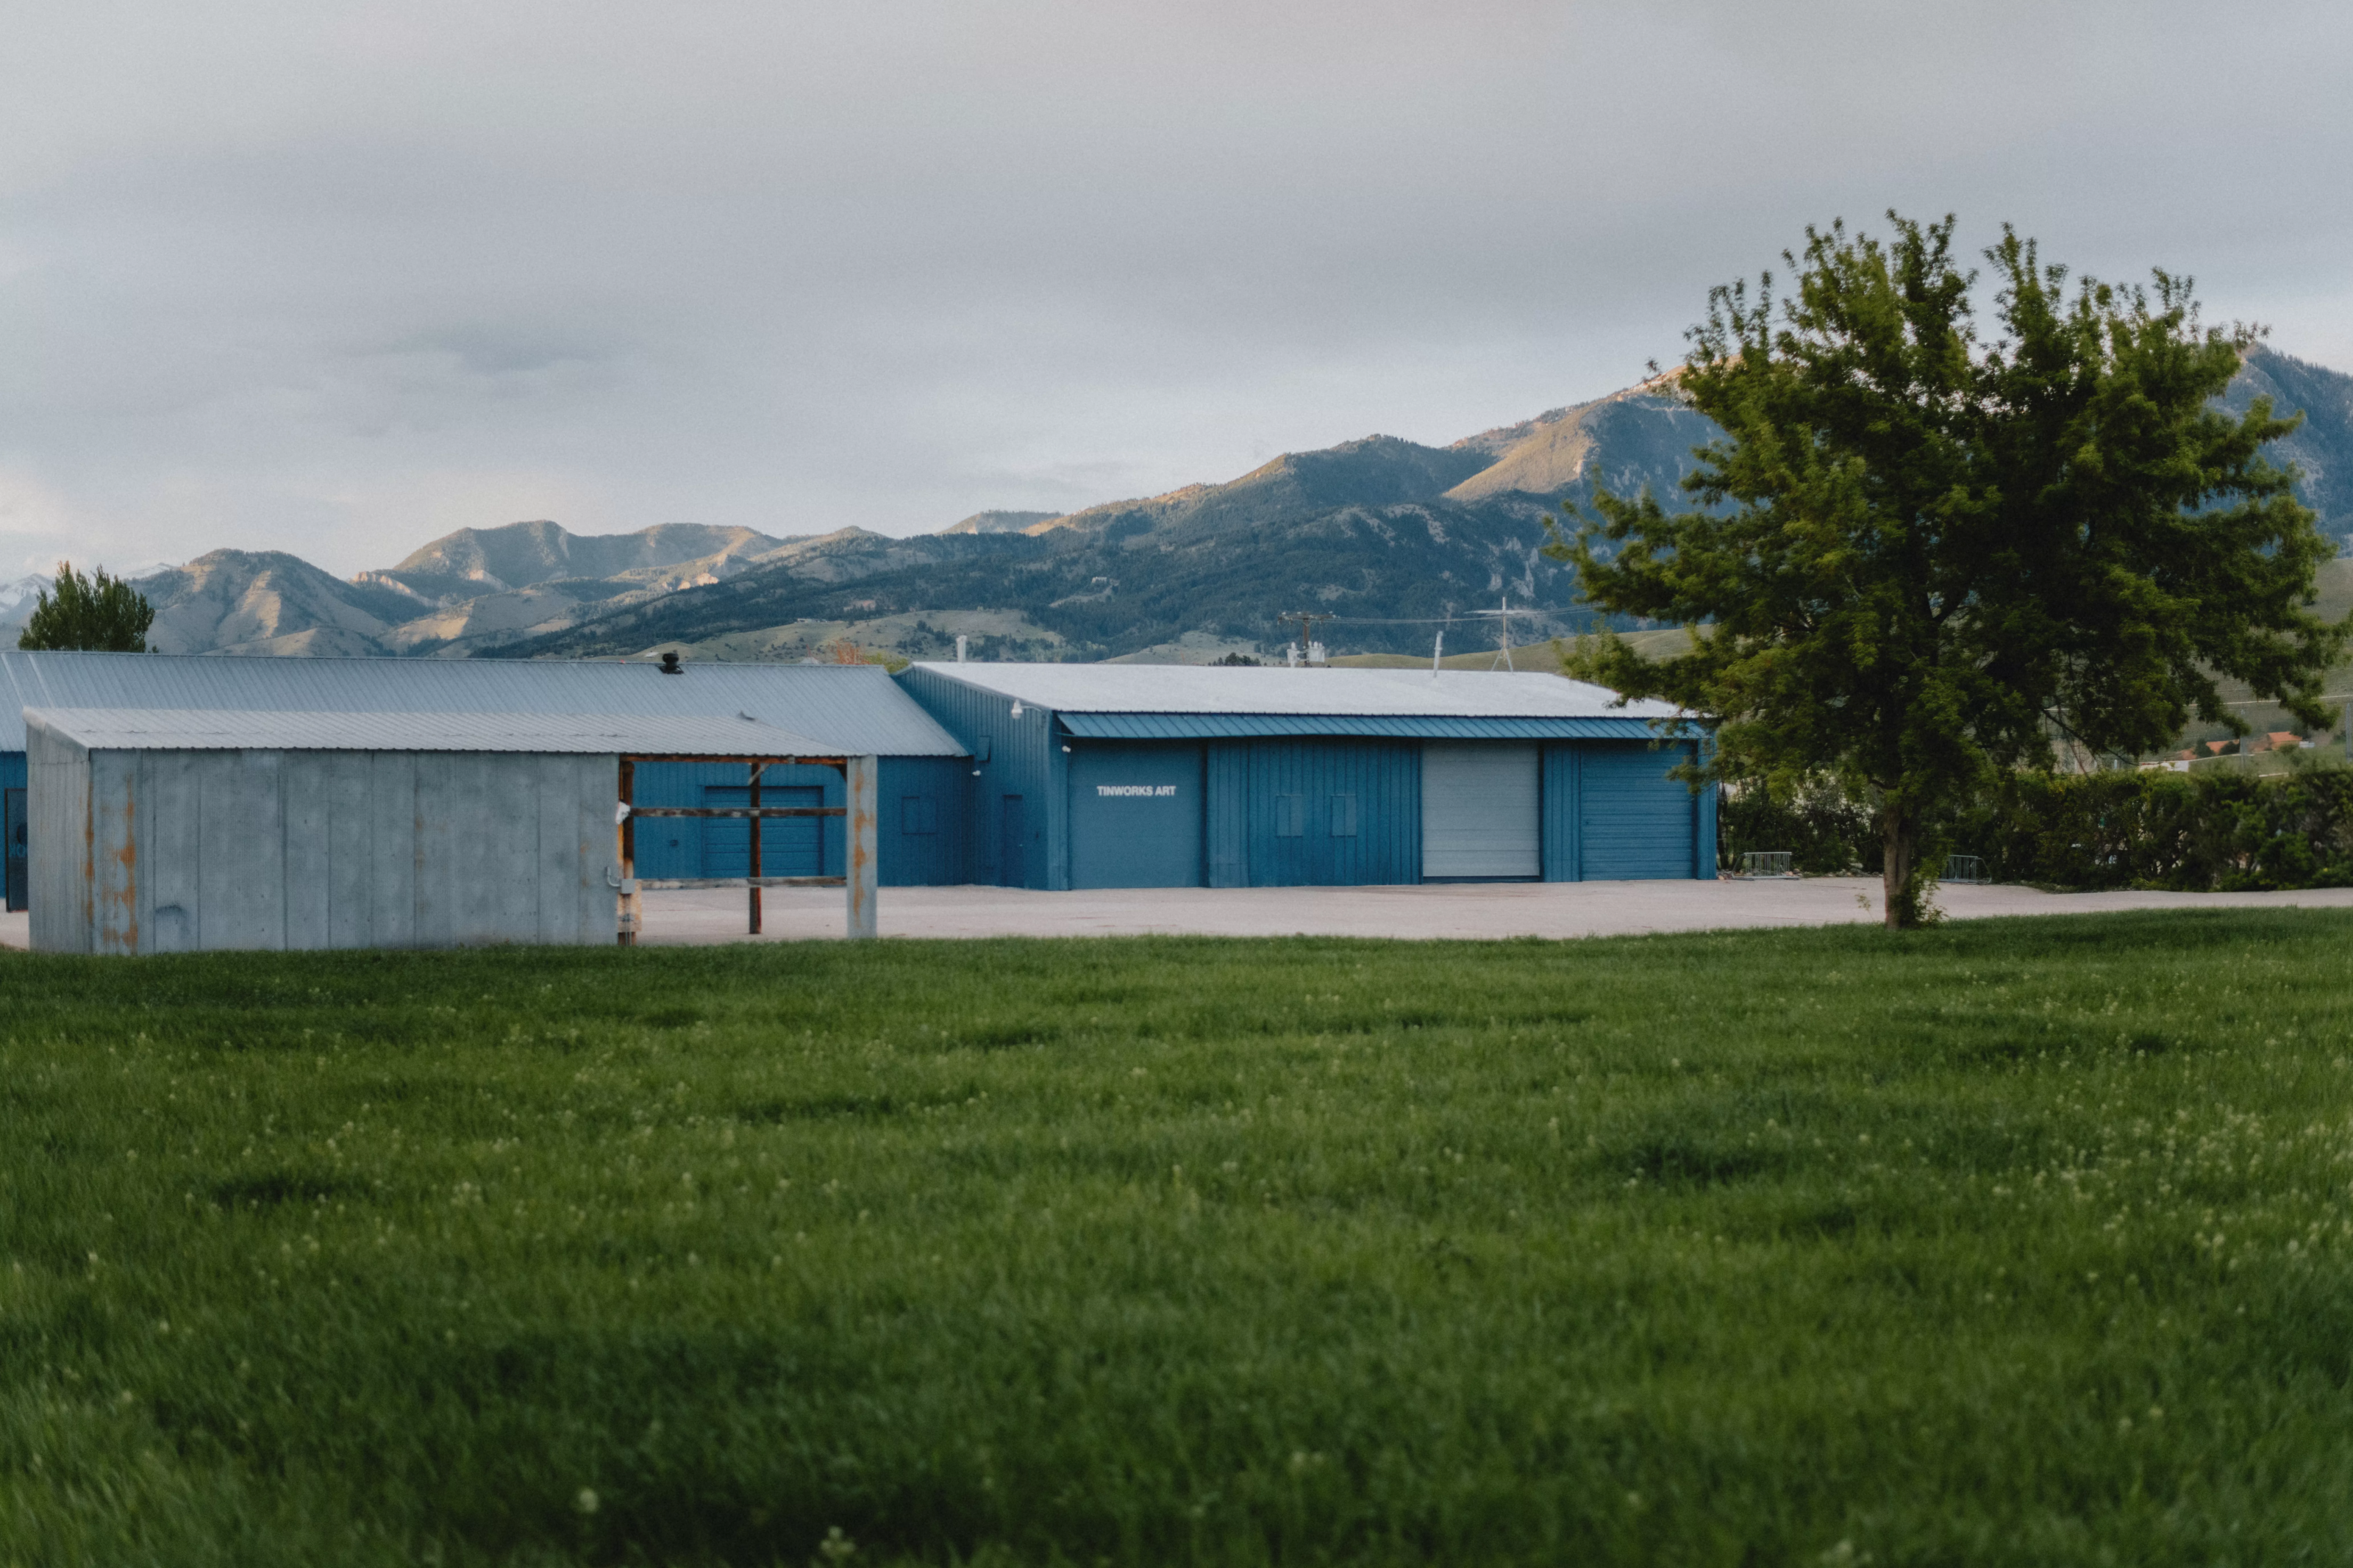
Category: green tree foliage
<point>1921,558</point>
<point>95,612</point>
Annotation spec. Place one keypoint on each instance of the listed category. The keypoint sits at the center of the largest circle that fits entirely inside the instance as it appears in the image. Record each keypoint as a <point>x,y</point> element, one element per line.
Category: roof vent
<point>670,664</point>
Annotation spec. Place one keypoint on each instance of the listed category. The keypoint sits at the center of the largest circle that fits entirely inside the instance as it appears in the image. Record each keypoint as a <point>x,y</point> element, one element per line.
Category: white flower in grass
<point>586,1503</point>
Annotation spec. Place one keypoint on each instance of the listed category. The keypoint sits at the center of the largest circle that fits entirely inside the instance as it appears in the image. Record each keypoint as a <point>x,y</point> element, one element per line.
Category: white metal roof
<point>219,730</point>
<point>1227,688</point>
<point>849,707</point>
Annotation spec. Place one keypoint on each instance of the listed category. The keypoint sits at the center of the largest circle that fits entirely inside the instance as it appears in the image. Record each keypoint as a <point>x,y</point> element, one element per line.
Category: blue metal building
<point>925,782</point>
<point>1157,776</point>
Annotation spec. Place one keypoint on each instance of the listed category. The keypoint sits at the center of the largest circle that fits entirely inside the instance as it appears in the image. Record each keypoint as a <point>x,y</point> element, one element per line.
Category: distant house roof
<point>1233,693</point>
<point>844,708</point>
<point>217,729</point>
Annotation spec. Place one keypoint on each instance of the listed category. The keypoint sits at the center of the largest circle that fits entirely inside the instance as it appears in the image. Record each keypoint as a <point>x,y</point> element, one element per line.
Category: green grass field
<point>2007,1241</point>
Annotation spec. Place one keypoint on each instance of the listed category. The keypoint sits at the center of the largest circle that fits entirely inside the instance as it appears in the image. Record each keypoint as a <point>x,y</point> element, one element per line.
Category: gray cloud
<point>336,279</point>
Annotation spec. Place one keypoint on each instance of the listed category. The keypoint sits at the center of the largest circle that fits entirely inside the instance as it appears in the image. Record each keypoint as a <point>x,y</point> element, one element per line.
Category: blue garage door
<point>1135,816</point>
<point>788,845</point>
<point>1633,821</point>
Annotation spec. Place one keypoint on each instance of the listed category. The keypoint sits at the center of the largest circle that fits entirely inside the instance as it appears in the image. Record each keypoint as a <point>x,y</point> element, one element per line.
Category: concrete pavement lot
<point>1432,911</point>
<point>1465,910</point>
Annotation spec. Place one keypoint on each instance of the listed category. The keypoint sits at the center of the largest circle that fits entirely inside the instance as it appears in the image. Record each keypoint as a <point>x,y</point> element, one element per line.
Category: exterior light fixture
<point>1017,707</point>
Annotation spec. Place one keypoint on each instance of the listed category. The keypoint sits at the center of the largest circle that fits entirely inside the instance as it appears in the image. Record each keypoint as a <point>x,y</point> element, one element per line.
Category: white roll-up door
<point>1478,809</point>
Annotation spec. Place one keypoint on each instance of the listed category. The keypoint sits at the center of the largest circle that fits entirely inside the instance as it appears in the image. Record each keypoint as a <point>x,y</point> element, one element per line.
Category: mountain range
<point>1389,536</point>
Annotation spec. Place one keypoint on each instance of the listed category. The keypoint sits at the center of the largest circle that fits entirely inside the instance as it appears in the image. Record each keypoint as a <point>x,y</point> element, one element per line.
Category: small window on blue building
<point>918,814</point>
<point>1343,816</point>
<point>1290,816</point>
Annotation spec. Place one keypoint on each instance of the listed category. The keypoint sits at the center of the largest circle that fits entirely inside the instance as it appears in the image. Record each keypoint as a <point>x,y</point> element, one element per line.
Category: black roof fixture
<point>670,664</point>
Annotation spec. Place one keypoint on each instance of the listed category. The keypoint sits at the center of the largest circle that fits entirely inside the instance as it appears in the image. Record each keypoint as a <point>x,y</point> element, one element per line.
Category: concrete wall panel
<point>309,848</point>
<point>114,851</point>
<point>510,823</point>
<point>241,877</point>
<point>392,849</point>
<point>575,796</point>
<point>274,850</point>
<point>349,786</point>
<point>58,798</point>
<point>173,854</point>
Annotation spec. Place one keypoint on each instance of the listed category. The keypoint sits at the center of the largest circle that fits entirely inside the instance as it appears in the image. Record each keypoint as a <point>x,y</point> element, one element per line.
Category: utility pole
<point>1503,634</point>
<point>1306,619</point>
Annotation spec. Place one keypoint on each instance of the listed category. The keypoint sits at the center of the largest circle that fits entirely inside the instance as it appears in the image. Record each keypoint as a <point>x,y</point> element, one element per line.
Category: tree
<point>93,612</point>
<point>1919,558</point>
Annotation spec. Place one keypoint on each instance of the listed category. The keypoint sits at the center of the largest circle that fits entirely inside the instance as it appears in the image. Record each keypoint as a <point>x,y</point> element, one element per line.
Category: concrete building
<point>1149,776</point>
<point>851,710</point>
<point>186,829</point>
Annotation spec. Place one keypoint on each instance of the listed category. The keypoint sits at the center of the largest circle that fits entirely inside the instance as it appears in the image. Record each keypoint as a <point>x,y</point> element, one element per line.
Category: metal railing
<point>1965,868</point>
<point>1755,863</point>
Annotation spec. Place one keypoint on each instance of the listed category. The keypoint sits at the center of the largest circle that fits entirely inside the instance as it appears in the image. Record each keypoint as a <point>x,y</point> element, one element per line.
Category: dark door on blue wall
<point>12,823</point>
<point>1012,844</point>
<point>1633,821</point>
<point>1135,816</point>
<point>789,845</point>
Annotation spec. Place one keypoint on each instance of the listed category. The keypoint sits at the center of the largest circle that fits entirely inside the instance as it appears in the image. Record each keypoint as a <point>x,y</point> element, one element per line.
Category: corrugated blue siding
<point>1633,821</point>
<point>1137,814</point>
<point>1024,759</point>
<point>676,847</point>
<point>17,869</point>
<point>688,847</point>
<point>1290,812</point>
<point>1217,726</point>
<point>789,846</point>
<point>1560,772</point>
<point>1226,829</point>
<point>910,857</point>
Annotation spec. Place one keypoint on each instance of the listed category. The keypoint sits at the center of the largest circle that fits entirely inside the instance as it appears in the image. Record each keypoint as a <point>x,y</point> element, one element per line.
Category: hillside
<point>470,592</point>
<point>1391,535</point>
<point>2322,448</point>
<point>1000,521</point>
<point>266,602</point>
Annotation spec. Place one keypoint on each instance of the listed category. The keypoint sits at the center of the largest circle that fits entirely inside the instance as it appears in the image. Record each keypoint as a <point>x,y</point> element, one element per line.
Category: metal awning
<point>1424,727</point>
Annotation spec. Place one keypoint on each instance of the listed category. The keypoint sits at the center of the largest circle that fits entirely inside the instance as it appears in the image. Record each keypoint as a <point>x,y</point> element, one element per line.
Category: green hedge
<point>2204,832</point>
<point>1826,833</point>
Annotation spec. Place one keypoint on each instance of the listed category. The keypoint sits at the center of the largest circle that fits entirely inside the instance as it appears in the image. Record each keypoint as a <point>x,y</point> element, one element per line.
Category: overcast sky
<point>336,278</point>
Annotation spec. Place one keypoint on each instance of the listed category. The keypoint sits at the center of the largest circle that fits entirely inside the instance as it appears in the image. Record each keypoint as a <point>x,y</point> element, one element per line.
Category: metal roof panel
<point>1435,727</point>
<point>1366,693</point>
<point>222,730</point>
<point>847,708</point>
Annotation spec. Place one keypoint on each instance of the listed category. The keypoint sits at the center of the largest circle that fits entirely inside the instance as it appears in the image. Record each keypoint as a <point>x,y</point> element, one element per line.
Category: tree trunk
<point>1901,841</point>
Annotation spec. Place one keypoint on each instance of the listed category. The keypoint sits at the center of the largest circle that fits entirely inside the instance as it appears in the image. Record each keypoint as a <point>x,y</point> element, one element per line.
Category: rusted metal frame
<point>736,757</point>
<point>764,811</point>
<point>755,812</point>
<point>667,884</point>
<point>752,827</point>
<point>629,852</point>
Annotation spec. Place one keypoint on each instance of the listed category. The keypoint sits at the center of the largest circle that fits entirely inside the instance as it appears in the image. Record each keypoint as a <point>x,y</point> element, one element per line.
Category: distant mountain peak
<point>1391,534</point>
